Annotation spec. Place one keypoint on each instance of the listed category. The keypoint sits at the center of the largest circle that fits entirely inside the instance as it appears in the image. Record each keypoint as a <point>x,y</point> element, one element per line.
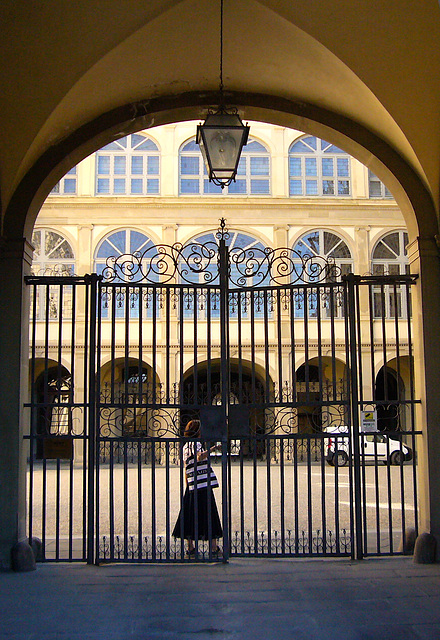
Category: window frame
<point>206,188</point>
<point>129,152</point>
<point>60,188</point>
<point>235,237</point>
<point>45,265</point>
<point>403,268</point>
<point>322,152</point>
<point>99,264</point>
<point>384,192</point>
<point>343,263</point>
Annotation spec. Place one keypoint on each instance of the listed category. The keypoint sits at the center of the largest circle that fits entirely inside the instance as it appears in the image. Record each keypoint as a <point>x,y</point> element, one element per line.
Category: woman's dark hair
<point>192,429</point>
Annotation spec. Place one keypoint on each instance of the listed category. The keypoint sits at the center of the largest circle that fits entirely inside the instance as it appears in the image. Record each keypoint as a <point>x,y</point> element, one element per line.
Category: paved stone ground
<point>384,598</point>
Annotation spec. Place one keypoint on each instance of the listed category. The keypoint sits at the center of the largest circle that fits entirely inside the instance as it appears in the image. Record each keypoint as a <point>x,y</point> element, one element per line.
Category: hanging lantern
<point>221,139</point>
<point>222,136</point>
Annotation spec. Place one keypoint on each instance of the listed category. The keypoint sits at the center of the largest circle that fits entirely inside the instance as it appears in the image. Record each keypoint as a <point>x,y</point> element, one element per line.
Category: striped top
<point>205,471</point>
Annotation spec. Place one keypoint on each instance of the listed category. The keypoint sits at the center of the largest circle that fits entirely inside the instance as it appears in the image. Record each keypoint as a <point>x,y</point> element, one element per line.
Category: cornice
<point>183,202</point>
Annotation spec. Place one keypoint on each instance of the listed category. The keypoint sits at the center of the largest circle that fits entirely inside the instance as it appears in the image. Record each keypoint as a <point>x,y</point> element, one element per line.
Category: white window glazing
<point>53,255</point>
<point>318,168</point>
<point>129,166</point>
<point>321,256</point>
<point>389,258</point>
<point>376,188</point>
<point>133,247</point>
<point>67,186</point>
<point>253,175</point>
<point>208,303</point>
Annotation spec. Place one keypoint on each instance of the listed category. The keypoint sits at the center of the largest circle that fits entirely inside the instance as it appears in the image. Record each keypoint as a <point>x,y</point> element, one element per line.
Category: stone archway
<point>34,186</point>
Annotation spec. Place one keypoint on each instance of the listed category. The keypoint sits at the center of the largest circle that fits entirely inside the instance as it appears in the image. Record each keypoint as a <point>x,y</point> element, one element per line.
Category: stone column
<point>15,262</point>
<point>84,259</point>
<point>423,256</point>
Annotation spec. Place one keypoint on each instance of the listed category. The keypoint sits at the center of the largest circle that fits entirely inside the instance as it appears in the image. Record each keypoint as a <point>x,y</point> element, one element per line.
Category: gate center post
<point>224,381</point>
<point>351,317</point>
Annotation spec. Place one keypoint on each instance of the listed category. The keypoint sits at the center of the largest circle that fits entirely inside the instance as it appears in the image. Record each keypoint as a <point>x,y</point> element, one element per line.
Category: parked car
<point>373,446</point>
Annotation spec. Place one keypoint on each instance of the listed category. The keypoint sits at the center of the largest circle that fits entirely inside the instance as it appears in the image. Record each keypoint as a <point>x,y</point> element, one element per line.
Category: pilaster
<point>15,263</point>
<point>423,256</point>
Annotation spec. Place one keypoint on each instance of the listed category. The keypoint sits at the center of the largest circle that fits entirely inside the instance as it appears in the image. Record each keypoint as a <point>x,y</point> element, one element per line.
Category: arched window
<point>253,175</point>
<point>129,166</point>
<point>326,245</point>
<point>334,256</point>
<point>67,185</point>
<point>53,255</point>
<point>318,168</point>
<point>120,244</point>
<point>236,241</point>
<point>207,269</point>
<point>389,258</point>
<point>376,188</point>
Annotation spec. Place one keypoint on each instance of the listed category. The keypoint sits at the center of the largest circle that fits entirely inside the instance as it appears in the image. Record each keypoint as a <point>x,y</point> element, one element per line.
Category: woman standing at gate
<point>198,518</point>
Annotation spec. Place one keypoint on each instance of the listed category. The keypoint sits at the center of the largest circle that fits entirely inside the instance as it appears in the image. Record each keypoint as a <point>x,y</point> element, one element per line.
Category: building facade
<point>293,192</point>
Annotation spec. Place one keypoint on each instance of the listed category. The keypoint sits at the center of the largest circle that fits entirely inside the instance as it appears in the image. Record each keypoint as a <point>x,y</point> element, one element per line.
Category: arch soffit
<point>107,361</point>
<point>391,363</point>
<point>313,360</point>
<point>260,367</point>
<point>41,363</point>
<point>185,32</point>
<point>408,188</point>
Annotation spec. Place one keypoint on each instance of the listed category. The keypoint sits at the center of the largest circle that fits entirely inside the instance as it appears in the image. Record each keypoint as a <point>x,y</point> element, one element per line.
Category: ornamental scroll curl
<point>199,264</point>
<point>193,263</point>
<point>281,266</point>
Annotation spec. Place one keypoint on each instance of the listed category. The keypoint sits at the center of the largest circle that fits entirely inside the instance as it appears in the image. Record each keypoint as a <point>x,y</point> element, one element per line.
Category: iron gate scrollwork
<point>263,346</point>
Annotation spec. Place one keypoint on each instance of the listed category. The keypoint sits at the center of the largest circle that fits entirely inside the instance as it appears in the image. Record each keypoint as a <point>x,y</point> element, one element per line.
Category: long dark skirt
<point>185,526</point>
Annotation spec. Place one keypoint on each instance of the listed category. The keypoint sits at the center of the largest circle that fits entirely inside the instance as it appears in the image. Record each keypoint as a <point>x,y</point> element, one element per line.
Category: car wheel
<point>330,462</point>
<point>341,459</point>
<point>397,457</point>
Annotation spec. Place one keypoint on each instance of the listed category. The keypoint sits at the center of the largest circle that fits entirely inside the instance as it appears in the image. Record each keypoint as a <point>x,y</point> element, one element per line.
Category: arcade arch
<point>128,385</point>
<point>36,184</point>
<point>52,389</point>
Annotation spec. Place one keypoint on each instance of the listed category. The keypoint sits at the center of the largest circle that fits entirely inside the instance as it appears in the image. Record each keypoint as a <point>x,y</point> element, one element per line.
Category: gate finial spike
<point>222,232</point>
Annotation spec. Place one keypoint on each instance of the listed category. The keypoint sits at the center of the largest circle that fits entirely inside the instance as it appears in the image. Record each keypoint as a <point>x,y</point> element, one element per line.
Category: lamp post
<point>223,135</point>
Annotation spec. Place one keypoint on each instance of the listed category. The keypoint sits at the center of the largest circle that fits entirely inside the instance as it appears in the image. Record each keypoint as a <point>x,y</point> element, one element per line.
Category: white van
<point>372,446</point>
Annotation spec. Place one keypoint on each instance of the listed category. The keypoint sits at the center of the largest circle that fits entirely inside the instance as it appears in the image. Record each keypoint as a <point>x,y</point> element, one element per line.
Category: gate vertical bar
<point>92,281</point>
<point>350,280</point>
<point>224,378</point>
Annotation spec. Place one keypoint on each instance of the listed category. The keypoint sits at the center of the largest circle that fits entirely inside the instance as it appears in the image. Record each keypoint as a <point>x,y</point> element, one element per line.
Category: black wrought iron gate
<point>303,380</point>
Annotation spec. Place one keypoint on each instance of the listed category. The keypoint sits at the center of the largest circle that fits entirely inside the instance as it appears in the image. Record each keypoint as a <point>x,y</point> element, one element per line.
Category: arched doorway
<point>351,86</point>
<point>246,411</point>
<point>390,390</point>
<point>52,393</point>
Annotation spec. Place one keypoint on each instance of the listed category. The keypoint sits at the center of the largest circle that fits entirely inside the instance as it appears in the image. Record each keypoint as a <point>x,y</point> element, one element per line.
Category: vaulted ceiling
<point>373,64</point>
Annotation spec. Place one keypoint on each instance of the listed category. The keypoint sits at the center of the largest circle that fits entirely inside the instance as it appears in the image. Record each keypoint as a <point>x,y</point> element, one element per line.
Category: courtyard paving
<point>382,598</point>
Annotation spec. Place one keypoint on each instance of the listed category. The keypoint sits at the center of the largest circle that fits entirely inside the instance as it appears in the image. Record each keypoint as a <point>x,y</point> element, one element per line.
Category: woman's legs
<point>192,548</point>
